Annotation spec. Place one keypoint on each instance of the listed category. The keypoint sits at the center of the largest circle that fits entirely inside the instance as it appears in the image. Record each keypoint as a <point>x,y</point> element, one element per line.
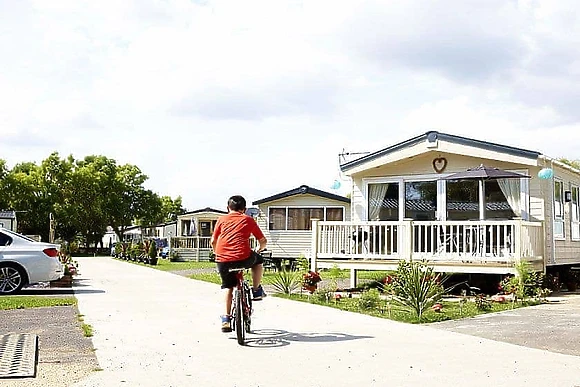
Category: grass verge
<point>167,265</point>
<point>452,310</point>
<point>87,330</point>
<point>23,302</point>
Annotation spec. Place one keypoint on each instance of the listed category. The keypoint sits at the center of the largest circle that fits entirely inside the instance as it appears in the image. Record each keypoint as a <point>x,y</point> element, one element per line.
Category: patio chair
<point>360,240</point>
<point>268,262</point>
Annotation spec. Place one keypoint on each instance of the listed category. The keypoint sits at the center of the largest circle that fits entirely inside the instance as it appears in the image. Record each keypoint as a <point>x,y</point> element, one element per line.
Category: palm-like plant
<point>417,287</point>
<point>286,282</point>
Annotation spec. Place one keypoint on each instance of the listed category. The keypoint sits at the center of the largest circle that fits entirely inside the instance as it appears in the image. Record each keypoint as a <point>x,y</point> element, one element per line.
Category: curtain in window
<point>300,218</point>
<point>377,193</point>
<point>334,214</point>
<point>511,188</point>
<point>277,219</point>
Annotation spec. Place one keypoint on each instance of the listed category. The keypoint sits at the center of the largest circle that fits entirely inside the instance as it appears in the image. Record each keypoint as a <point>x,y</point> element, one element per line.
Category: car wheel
<point>11,279</point>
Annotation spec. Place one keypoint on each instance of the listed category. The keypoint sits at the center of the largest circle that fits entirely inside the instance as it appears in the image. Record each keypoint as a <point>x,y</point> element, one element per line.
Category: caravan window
<point>575,214</point>
<point>300,218</point>
<point>558,209</point>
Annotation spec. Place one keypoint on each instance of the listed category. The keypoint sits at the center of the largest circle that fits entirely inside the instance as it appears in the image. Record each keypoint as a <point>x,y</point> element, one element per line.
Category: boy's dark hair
<point>237,203</point>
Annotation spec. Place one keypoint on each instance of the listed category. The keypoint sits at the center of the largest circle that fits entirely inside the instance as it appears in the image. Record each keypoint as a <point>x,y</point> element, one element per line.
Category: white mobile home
<point>286,218</point>
<point>8,220</point>
<point>404,208</point>
<point>194,230</point>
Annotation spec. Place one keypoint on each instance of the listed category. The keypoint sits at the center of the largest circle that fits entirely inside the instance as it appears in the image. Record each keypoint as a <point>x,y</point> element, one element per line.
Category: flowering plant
<point>70,266</point>
<point>311,278</point>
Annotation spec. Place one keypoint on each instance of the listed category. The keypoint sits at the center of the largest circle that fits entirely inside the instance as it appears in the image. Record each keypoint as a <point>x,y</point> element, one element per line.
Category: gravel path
<point>65,355</point>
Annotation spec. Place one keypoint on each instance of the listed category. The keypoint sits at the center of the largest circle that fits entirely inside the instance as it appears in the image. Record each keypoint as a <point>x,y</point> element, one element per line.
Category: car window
<point>12,234</point>
<point>5,240</point>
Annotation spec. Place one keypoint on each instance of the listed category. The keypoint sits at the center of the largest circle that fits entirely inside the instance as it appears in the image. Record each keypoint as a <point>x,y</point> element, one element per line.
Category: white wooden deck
<point>191,248</point>
<point>492,247</point>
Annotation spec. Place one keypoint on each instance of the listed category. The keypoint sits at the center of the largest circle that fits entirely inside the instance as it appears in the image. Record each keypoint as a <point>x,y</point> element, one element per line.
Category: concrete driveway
<point>553,327</point>
<point>158,329</point>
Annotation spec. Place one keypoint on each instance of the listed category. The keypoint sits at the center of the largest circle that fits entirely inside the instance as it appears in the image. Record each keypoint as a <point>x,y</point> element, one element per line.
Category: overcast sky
<point>214,98</point>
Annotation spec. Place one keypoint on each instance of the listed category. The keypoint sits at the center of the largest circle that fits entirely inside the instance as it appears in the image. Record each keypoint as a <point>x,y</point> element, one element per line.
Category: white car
<point>23,262</point>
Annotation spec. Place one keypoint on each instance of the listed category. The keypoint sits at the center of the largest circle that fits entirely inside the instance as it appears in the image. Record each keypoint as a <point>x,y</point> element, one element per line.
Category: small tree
<point>152,253</point>
<point>152,250</point>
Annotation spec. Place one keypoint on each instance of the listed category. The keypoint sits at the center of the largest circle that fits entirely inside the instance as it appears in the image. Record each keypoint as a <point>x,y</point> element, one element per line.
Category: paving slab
<point>154,328</point>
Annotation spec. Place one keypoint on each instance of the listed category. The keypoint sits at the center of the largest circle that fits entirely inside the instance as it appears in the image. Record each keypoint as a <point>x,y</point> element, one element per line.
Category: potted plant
<point>310,281</point>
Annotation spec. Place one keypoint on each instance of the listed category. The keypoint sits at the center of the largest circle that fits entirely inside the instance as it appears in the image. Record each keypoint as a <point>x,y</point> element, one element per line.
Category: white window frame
<point>559,219</point>
<point>441,213</point>
<point>575,213</point>
<point>286,208</point>
<point>383,180</point>
<point>419,180</point>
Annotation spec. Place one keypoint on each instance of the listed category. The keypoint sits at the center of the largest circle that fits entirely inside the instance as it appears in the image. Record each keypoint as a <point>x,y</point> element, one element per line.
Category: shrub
<point>526,283</point>
<point>302,263</point>
<point>482,302</point>
<point>152,250</point>
<point>369,299</point>
<point>417,287</point>
<point>324,293</point>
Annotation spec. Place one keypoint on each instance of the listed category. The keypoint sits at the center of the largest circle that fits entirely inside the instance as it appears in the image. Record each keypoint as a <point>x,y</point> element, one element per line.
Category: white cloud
<point>211,98</point>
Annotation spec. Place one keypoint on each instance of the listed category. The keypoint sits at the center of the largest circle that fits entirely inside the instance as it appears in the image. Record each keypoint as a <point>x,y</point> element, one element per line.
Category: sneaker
<point>226,324</point>
<point>258,294</point>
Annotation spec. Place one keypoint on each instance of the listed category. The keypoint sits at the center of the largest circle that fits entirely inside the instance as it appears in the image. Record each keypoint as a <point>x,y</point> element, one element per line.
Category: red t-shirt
<point>232,234</point>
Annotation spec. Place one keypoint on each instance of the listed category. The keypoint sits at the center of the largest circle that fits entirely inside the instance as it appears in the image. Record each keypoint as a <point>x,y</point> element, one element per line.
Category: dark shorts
<point>229,279</point>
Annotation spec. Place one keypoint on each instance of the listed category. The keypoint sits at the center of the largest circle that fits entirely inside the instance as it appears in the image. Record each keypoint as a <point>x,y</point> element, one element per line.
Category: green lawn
<point>167,265</point>
<point>214,277</point>
<point>452,310</point>
<point>22,302</point>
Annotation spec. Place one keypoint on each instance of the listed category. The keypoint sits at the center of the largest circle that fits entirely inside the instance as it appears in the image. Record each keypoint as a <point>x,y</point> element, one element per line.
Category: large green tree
<point>170,208</point>
<point>82,196</point>
<point>572,163</point>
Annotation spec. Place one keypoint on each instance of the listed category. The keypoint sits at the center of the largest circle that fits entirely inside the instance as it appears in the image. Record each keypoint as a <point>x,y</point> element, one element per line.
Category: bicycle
<point>241,306</point>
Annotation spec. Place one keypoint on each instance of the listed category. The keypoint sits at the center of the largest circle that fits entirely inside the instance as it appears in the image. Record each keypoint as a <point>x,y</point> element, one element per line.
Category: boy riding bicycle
<point>231,244</point>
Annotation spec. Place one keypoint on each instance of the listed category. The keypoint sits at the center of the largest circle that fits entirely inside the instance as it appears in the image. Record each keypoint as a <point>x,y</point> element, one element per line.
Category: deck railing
<point>198,242</point>
<point>500,241</point>
<point>191,242</point>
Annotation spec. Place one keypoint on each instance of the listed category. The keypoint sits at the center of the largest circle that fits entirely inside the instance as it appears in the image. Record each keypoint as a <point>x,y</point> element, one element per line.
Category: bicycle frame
<point>241,307</point>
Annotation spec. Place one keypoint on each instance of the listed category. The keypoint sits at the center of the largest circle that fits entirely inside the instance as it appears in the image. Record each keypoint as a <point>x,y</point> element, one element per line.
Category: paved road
<point>158,329</point>
<point>554,327</point>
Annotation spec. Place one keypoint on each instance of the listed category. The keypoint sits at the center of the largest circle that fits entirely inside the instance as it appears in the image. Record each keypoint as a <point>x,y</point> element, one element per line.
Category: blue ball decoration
<point>546,173</point>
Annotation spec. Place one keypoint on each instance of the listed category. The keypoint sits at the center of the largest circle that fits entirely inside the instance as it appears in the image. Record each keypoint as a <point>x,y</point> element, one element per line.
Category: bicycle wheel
<point>248,308</point>
<point>239,318</point>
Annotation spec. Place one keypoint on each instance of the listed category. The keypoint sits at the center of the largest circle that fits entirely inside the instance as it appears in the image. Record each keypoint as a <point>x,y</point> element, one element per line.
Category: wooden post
<point>314,245</point>
<point>198,247</point>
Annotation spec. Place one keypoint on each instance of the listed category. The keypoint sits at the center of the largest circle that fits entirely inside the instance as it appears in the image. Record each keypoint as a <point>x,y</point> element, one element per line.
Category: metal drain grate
<point>18,355</point>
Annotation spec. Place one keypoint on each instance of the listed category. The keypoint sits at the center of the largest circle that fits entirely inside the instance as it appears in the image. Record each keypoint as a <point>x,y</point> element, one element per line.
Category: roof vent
<point>432,140</point>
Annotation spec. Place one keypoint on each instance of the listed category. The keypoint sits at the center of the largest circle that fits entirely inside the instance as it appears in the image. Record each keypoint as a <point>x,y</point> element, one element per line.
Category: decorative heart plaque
<point>439,164</point>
